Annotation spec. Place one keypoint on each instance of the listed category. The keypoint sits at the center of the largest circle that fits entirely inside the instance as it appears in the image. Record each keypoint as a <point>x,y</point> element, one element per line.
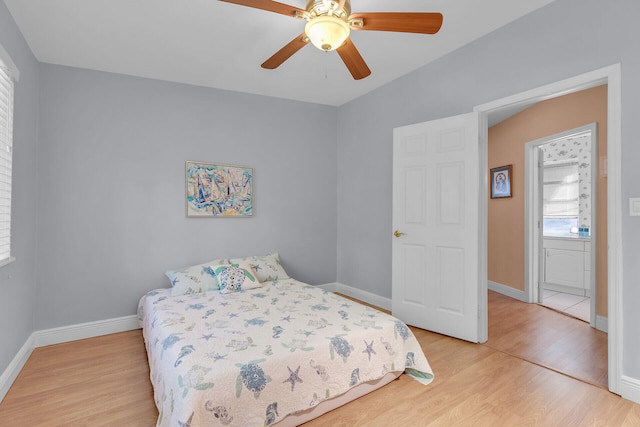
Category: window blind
<point>6,146</point>
<point>561,191</point>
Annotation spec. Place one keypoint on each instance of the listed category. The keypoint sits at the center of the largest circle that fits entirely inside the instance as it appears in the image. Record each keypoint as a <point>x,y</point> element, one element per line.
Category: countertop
<point>568,236</point>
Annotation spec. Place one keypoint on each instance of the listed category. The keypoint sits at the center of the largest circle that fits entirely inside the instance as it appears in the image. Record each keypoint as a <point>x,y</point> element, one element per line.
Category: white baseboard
<point>15,366</point>
<point>60,335</point>
<point>359,294</point>
<point>507,290</point>
<point>602,323</point>
<point>84,330</point>
<point>630,389</point>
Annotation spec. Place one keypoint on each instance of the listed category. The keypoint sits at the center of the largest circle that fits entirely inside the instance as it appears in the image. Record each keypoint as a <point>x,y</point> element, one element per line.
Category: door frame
<point>611,76</point>
<point>533,216</point>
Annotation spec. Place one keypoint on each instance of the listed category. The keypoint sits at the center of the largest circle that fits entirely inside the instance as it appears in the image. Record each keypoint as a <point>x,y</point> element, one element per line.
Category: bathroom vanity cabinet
<point>567,265</point>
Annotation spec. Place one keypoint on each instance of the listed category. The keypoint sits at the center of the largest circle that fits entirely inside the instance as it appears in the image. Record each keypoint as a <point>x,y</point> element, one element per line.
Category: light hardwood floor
<point>104,381</point>
<point>549,338</point>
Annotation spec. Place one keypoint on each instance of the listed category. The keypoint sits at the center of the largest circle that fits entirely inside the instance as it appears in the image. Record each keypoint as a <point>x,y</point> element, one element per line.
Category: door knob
<point>398,233</point>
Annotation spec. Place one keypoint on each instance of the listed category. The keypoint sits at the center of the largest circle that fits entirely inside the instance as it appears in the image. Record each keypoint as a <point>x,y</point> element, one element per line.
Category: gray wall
<point>111,198</point>
<point>17,282</point>
<point>104,186</point>
<point>561,40</point>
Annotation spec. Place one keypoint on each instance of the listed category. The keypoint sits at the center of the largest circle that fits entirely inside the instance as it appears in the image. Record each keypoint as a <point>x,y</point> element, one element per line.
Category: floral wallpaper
<point>575,148</point>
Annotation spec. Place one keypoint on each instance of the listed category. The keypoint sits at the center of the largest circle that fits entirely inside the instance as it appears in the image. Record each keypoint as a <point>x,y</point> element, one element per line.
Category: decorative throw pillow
<point>194,279</point>
<point>267,267</point>
<point>236,277</point>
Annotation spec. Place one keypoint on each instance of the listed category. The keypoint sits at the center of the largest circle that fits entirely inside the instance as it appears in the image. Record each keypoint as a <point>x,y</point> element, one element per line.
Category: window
<point>6,145</point>
<point>561,190</point>
<point>561,203</point>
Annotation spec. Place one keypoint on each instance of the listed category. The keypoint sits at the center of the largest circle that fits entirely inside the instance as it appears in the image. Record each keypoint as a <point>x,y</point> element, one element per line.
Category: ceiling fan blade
<point>270,6</point>
<point>402,22</point>
<point>353,60</point>
<point>286,52</point>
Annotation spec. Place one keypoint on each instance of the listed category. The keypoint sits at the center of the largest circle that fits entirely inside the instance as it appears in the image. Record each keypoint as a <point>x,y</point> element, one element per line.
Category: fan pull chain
<point>326,72</point>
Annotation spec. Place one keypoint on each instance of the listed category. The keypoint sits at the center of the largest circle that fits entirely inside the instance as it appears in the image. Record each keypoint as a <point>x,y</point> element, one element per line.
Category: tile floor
<point>573,305</point>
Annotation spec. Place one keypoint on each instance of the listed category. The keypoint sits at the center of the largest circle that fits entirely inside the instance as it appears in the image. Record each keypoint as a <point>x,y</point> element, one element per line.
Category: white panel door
<point>435,225</point>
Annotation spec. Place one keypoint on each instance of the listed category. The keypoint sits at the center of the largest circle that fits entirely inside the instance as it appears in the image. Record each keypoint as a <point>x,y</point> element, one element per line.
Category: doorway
<point>557,205</point>
<point>562,175</point>
<point>611,77</point>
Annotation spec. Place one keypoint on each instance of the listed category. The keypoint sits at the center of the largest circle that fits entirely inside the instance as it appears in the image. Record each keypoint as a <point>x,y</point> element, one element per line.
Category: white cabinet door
<point>564,267</point>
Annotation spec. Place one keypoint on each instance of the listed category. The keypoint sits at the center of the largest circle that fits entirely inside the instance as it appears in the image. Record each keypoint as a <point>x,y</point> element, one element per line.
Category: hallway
<point>547,338</point>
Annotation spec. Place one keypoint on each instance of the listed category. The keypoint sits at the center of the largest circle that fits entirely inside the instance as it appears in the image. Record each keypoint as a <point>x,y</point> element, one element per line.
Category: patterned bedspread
<point>251,358</point>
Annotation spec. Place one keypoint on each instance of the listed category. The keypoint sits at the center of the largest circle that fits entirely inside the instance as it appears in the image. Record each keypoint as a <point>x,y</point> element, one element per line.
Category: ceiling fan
<point>329,23</point>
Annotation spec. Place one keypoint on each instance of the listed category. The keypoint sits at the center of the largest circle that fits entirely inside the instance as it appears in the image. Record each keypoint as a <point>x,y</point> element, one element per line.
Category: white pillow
<point>194,279</point>
<point>267,267</point>
<point>236,277</point>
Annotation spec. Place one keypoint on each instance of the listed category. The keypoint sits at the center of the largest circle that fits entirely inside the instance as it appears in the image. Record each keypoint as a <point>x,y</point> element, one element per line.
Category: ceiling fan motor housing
<point>322,7</point>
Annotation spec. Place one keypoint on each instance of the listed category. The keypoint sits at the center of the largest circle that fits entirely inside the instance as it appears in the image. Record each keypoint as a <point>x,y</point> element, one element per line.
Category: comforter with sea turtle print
<point>253,357</point>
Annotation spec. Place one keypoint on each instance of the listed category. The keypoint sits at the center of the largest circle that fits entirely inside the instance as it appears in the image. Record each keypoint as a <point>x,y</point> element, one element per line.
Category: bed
<point>278,353</point>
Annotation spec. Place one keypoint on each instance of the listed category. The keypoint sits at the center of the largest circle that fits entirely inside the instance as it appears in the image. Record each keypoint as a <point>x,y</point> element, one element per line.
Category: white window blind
<point>561,190</point>
<point>6,146</point>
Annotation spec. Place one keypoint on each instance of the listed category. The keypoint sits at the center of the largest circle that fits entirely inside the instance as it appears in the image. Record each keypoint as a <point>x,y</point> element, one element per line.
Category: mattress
<point>270,355</point>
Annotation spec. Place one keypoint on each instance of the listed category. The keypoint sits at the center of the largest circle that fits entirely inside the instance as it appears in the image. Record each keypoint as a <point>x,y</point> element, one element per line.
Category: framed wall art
<point>218,190</point>
<point>500,179</point>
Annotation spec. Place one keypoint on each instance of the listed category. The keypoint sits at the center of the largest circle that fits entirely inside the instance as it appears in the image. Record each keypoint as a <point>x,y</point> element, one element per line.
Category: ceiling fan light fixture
<point>327,32</point>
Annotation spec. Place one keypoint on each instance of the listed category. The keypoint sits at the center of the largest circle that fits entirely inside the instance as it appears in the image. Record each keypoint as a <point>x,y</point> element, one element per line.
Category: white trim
<point>532,230</point>
<point>17,363</point>
<point>602,323</point>
<point>610,75</point>
<point>533,217</point>
<point>84,330</point>
<point>630,388</point>
<point>331,287</point>
<point>614,226</point>
<point>507,290</point>
<point>60,335</point>
<point>483,229</point>
<point>358,294</point>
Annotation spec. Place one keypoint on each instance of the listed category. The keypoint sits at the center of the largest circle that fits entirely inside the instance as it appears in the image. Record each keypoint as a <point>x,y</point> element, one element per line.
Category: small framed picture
<point>500,179</point>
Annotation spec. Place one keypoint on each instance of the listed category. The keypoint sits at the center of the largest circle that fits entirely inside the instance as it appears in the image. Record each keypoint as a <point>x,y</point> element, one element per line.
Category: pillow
<point>267,267</point>
<point>236,277</point>
<point>194,279</point>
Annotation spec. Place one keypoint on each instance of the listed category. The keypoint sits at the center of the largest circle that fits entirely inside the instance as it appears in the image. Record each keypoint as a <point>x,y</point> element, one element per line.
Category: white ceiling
<point>221,45</point>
